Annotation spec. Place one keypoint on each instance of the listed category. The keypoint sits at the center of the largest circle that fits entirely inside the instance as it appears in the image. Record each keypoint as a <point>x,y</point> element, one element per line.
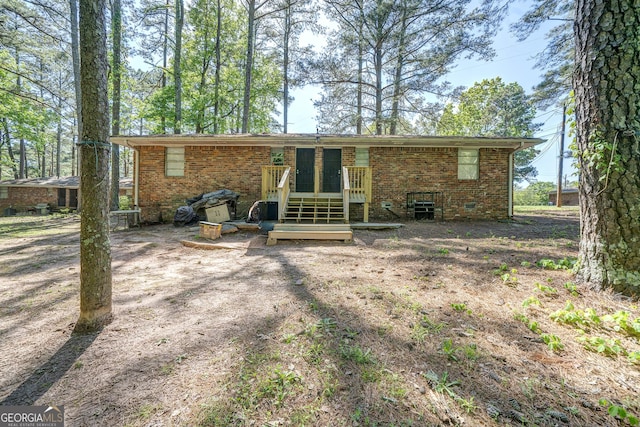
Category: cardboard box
<point>219,213</point>
<point>210,230</point>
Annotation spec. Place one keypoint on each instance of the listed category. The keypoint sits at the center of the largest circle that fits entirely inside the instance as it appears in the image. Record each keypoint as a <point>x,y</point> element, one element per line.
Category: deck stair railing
<point>271,177</point>
<point>283,193</point>
<point>346,188</point>
<point>360,186</point>
<point>355,186</point>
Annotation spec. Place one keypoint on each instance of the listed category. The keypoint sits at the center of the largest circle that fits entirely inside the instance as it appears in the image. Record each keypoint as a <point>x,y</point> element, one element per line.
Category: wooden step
<point>310,232</point>
<point>314,209</point>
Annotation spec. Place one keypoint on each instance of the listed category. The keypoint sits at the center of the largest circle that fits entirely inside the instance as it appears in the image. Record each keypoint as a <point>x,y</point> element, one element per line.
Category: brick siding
<point>23,198</point>
<point>207,169</point>
<point>396,171</point>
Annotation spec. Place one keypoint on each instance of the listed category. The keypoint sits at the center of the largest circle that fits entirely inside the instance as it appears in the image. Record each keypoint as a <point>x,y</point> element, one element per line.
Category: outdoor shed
<point>569,197</point>
<point>19,196</point>
<point>364,177</point>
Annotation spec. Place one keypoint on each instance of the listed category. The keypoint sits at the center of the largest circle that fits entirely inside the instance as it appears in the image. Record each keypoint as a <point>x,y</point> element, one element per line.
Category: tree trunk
<point>360,79</point>
<point>248,67</point>
<point>397,81</point>
<point>606,79</point>
<point>43,166</point>
<point>177,70</point>
<point>59,137</point>
<point>73,153</point>
<point>95,249</point>
<point>116,32</point>
<point>23,159</point>
<point>165,62</point>
<point>7,139</point>
<point>23,148</point>
<point>75,55</point>
<point>204,72</point>
<point>285,68</point>
<point>378,67</point>
<point>216,79</point>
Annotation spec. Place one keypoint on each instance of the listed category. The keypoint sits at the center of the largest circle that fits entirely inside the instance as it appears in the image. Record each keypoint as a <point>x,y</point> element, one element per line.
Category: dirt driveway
<point>414,326</point>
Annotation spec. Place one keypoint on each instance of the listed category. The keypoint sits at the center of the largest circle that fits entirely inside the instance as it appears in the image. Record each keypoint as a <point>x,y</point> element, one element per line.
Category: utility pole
<point>561,157</point>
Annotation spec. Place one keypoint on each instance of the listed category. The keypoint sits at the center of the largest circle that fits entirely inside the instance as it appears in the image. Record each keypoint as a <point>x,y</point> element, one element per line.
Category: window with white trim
<point>174,161</point>
<point>277,156</point>
<point>362,156</point>
<point>4,192</point>
<point>468,161</point>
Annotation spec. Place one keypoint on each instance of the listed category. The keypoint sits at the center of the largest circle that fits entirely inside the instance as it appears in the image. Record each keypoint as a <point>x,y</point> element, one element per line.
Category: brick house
<point>570,197</point>
<point>23,195</point>
<point>382,177</point>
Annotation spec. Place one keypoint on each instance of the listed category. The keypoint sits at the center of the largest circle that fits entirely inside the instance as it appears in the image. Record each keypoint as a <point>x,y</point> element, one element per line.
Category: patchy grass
<point>389,331</point>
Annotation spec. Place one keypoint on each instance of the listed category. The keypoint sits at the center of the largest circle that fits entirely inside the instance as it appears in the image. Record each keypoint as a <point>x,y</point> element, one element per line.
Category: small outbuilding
<point>570,197</point>
<point>19,196</point>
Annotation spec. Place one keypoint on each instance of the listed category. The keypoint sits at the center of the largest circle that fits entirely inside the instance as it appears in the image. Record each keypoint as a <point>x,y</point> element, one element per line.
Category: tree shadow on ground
<point>50,372</point>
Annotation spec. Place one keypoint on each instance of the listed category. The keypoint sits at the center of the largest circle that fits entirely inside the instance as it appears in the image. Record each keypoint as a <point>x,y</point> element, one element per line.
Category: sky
<point>514,62</point>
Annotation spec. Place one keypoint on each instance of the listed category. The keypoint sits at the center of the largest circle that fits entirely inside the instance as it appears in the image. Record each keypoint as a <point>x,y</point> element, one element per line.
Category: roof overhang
<point>50,182</point>
<point>72,182</point>
<point>312,140</point>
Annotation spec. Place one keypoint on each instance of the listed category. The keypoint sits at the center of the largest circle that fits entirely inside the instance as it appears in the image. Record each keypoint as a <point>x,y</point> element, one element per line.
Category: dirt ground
<point>429,324</point>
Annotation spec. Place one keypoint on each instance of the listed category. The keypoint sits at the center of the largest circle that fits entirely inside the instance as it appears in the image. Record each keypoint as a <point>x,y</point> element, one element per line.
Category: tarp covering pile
<point>206,200</point>
<point>190,214</point>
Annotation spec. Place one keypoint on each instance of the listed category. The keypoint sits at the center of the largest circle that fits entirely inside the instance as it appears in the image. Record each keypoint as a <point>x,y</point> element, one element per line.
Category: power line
<point>554,111</point>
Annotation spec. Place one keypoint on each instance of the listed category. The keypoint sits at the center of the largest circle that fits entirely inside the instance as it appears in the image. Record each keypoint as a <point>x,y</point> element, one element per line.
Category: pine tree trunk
<point>75,55</point>
<point>177,68</point>
<point>95,249</point>
<point>360,79</point>
<point>216,79</point>
<point>165,61</point>
<point>116,32</point>
<point>397,81</point>
<point>378,68</point>
<point>606,79</point>
<point>246,103</point>
<point>285,69</point>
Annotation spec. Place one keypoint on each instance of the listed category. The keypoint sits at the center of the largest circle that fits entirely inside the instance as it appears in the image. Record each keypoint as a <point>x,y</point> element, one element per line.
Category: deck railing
<point>283,194</point>
<point>346,188</point>
<point>360,186</point>
<point>271,177</point>
<point>360,182</point>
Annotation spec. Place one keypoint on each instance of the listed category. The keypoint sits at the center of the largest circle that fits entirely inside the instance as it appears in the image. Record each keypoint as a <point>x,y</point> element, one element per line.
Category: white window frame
<point>174,161</point>
<point>362,156</point>
<point>4,192</point>
<point>277,156</point>
<point>468,164</point>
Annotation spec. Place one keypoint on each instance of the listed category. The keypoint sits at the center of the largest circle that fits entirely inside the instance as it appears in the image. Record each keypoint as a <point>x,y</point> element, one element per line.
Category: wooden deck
<point>310,232</point>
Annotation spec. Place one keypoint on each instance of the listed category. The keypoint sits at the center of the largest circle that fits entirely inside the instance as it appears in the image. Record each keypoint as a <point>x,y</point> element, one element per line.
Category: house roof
<point>55,182</point>
<point>311,140</point>
<point>565,191</point>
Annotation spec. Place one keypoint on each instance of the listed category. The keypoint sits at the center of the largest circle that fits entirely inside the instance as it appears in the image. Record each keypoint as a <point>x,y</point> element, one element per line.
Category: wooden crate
<point>210,230</point>
<point>218,213</point>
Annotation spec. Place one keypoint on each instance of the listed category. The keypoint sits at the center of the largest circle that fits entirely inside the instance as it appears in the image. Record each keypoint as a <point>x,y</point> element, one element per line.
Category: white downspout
<point>136,176</point>
<point>510,207</point>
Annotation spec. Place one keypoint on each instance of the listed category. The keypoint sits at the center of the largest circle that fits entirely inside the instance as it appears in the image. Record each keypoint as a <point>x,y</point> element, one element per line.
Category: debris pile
<point>196,207</point>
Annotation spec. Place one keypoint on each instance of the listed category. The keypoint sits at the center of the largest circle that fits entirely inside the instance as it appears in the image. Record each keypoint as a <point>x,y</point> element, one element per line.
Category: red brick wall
<point>348,156</point>
<point>568,198</point>
<point>396,171</point>
<point>21,198</point>
<point>207,169</point>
